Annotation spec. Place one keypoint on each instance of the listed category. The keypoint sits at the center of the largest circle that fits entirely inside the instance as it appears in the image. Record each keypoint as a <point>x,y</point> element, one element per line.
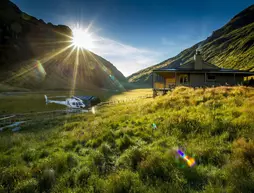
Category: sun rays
<point>69,50</point>
<point>82,39</point>
<point>75,72</point>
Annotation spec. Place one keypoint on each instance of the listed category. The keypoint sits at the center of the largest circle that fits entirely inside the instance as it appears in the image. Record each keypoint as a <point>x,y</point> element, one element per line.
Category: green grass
<point>116,149</point>
<point>8,88</point>
<point>131,94</point>
<point>29,102</point>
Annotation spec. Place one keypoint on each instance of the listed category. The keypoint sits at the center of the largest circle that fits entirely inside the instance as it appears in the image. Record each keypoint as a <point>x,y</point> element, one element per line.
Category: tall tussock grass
<point>120,150</point>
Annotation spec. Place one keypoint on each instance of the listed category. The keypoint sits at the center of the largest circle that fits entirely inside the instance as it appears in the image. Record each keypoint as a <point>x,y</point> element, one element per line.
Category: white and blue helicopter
<point>73,102</point>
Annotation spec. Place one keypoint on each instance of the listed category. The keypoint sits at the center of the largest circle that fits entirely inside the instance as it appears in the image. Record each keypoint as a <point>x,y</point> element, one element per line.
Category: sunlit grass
<point>116,150</point>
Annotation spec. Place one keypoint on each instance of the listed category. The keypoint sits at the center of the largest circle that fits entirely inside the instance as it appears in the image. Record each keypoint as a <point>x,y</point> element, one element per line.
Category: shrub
<point>96,184</point>
<point>244,150</point>
<point>82,176</point>
<point>105,149</point>
<point>27,186</point>
<point>78,148</point>
<point>67,180</point>
<point>97,162</point>
<point>145,135</point>
<point>156,166</point>
<point>125,182</point>
<point>240,176</point>
<point>29,155</point>
<point>125,142</point>
<point>130,159</point>
<point>114,126</point>
<point>59,163</point>
<point>44,154</point>
<point>109,137</point>
<point>71,161</point>
<point>95,142</point>
<point>71,145</point>
<point>195,178</point>
<point>10,176</point>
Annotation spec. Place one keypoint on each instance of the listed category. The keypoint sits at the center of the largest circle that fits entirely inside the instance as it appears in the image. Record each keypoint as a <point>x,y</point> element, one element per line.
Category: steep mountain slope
<point>35,55</point>
<point>232,46</point>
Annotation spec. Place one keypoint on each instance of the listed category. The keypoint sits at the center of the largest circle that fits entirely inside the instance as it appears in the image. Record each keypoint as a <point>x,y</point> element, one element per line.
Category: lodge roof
<point>197,65</point>
<point>220,71</point>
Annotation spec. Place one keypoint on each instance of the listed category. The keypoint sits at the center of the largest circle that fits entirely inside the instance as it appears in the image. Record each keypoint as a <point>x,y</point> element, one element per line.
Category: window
<point>184,79</point>
<point>210,77</point>
<point>159,78</point>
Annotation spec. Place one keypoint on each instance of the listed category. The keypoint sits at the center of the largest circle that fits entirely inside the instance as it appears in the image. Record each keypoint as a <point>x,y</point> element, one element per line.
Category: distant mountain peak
<point>231,46</point>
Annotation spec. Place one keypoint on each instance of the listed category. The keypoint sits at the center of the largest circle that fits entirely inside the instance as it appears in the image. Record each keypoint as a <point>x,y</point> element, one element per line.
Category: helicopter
<point>73,102</point>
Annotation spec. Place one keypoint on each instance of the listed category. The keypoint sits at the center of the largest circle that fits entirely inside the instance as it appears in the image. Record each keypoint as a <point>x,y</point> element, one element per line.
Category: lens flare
<point>39,71</point>
<point>40,68</point>
<point>190,161</point>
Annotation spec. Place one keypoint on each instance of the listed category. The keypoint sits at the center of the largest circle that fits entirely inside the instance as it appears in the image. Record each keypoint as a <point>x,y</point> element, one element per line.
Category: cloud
<point>128,59</point>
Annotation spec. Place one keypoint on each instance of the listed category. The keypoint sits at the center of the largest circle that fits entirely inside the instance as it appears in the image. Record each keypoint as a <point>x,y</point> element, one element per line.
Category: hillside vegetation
<point>232,46</point>
<point>38,55</point>
<point>116,150</point>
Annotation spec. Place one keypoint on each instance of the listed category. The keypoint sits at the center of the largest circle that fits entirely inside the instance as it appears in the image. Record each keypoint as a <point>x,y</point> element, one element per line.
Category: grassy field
<point>29,102</point>
<point>116,149</point>
<point>132,94</point>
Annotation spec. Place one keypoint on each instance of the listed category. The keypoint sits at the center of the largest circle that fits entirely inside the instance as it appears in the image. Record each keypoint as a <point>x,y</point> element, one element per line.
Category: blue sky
<point>135,34</point>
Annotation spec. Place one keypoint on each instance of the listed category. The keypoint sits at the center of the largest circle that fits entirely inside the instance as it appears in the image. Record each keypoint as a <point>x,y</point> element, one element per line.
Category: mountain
<point>38,55</point>
<point>232,46</point>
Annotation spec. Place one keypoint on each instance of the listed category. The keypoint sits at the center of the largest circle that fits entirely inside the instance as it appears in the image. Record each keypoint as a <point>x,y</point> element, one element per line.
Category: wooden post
<point>152,80</point>
<point>154,93</point>
<point>164,82</point>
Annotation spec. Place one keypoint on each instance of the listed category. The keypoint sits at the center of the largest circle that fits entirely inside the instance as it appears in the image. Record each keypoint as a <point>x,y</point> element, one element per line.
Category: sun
<point>82,39</point>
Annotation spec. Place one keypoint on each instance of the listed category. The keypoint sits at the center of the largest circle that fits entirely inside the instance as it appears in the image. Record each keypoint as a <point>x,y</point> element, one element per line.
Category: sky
<point>135,34</point>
